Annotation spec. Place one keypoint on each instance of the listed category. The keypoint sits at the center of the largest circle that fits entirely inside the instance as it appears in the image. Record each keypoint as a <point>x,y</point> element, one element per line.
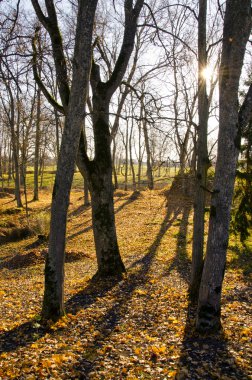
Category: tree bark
<point>237,27</point>
<point>131,158</point>
<point>99,170</point>
<point>202,158</point>
<point>99,175</point>
<point>114,164</point>
<point>147,147</point>
<point>53,302</point>
<point>37,143</point>
<point>15,144</point>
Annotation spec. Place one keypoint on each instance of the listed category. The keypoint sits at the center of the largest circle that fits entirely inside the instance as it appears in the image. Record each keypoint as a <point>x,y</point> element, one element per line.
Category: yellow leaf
<point>246,331</point>
<point>171,374</point>
<point>162,349</point>
<point>137,351</point>
<point>141,292</point>
<point>34,345</point>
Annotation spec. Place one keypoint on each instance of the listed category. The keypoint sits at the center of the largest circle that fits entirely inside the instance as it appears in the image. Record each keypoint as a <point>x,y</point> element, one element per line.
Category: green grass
<point>49,174</point>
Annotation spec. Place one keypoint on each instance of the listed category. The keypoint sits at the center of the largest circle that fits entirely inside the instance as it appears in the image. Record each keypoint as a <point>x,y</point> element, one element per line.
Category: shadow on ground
<point>135,195</point>
<point>200,356</point>
<point>206,357</point>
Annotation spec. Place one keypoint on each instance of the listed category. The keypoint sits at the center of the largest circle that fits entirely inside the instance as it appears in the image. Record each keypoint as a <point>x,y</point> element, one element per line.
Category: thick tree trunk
<point>101,187</point>
<point>107,251</point>
<point>202,158</point>
<point>237,26</point>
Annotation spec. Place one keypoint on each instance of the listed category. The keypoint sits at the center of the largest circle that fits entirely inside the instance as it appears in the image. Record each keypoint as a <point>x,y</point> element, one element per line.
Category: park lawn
<point>46,181</point>
<point>139,328</point>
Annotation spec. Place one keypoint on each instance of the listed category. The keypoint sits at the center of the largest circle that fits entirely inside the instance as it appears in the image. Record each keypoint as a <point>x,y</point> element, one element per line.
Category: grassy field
<point>140,328</point>
<point>49,174</point>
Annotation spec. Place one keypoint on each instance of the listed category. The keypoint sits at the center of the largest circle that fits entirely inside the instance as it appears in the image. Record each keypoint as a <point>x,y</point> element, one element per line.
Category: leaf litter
<point>139,328</point>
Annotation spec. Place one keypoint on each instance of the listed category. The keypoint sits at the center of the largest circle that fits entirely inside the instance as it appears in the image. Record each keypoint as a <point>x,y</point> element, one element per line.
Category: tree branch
<point>38,80</point>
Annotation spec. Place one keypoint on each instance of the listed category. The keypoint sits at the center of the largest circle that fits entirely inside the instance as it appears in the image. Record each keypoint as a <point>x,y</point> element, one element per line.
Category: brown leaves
<point>138,329</point>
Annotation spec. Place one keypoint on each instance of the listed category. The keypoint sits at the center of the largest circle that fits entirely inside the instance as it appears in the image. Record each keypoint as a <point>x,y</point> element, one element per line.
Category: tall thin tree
<point>237,28</point>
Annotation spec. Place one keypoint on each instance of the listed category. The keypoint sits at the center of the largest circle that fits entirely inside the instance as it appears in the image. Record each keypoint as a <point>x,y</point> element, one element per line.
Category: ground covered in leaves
<point>139,328</point>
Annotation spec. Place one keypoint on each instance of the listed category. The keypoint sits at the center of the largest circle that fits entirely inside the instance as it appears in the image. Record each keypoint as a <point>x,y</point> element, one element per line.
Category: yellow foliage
<point>137,351</point>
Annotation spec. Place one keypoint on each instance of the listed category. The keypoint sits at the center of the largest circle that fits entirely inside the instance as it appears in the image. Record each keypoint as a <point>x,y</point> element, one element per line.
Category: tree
<point>73,104</point>
<point>237,27</point>
<point>10,75</point>
<point>99,170</point>
<point>202,156</point>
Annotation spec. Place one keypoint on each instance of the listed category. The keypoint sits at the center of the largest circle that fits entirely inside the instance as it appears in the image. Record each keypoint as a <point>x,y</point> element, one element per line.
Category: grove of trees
<point>133,88</point>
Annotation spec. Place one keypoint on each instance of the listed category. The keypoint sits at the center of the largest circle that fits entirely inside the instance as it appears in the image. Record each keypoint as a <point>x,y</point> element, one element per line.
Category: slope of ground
<point>139,328</point>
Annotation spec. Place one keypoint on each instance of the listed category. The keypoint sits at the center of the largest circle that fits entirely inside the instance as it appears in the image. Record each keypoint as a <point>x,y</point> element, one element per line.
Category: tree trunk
<point>202,158</point>
<point>15,149</point>
<point>57,125</point>
<point>101,187</point>
<point>36,154</point>
<point>131,158</point>
<point>126,157</point>
<point>107,251</point>
<point>147,147</point>
<point>53,302</point>
<point>237,26</point>
<point>114,164</point>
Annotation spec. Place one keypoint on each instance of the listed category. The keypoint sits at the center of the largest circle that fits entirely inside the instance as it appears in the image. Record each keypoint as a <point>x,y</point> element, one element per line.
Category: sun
<point>207,73</point>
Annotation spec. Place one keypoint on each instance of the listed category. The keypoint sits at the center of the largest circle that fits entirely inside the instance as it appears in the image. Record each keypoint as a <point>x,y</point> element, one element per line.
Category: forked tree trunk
<point>99,170</point>
<point>237,27</point>
<point>99,174</point>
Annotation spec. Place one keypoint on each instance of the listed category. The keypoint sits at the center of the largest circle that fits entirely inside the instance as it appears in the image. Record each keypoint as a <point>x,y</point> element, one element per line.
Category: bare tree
<point>202,156</point>
<point>237,28</point>
<point>99,170</point>
<point>73,105</point>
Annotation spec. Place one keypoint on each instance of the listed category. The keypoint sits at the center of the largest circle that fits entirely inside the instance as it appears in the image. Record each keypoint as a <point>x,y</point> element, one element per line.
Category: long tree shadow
<point>134,196</point>
<point>31,331</point>
<point>195,350</point>
<point>181,262</point>
<point>21,336</point>
<point>116,313</point>
<point>206,357</point>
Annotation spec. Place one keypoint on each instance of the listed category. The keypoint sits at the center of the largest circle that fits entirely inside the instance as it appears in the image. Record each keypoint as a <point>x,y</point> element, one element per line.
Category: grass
<point>49,174</point>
